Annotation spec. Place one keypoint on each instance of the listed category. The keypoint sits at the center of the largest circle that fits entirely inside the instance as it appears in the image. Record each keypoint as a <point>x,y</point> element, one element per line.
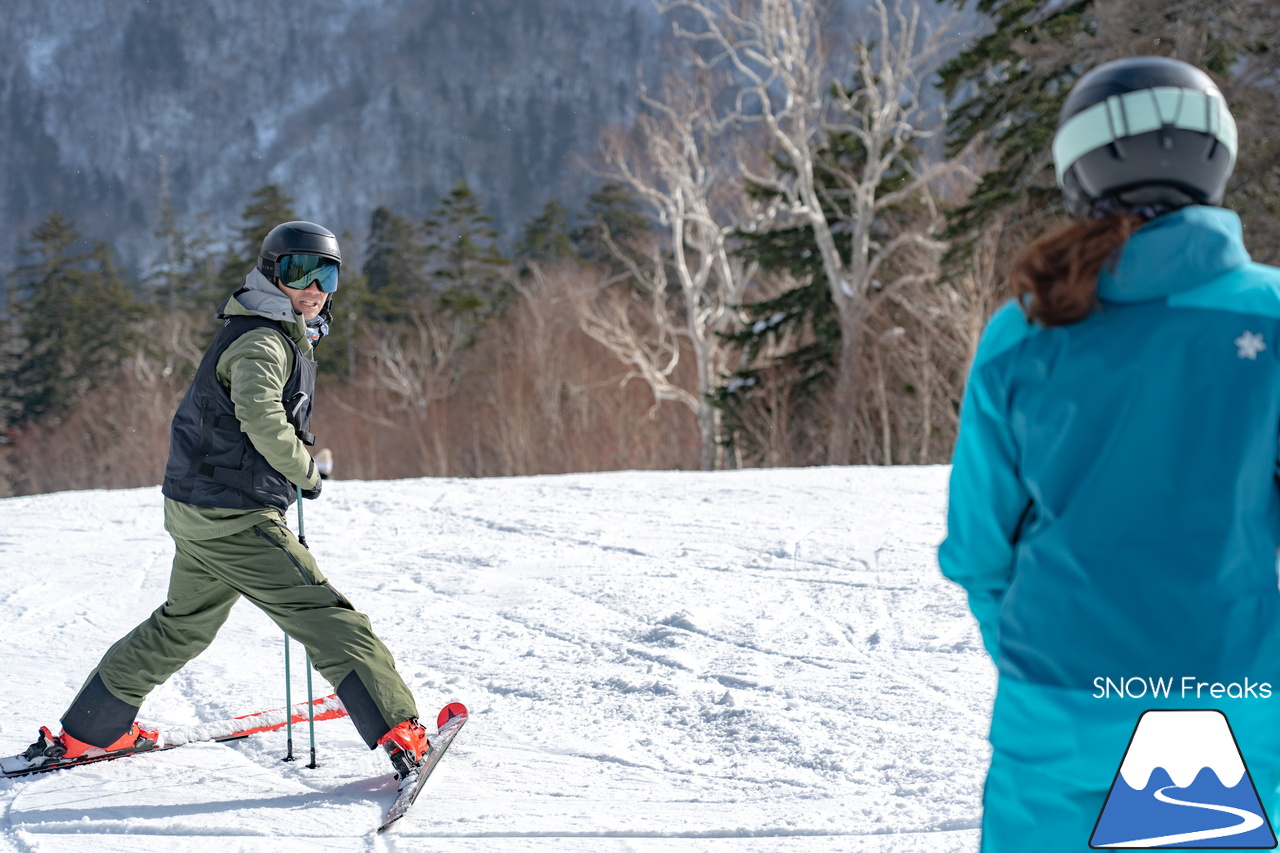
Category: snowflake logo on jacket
<point>1250,345</point>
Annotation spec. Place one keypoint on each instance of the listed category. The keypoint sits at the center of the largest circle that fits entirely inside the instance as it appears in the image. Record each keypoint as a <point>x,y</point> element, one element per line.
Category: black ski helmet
<point>294,238</point>
<point>1144,131</point>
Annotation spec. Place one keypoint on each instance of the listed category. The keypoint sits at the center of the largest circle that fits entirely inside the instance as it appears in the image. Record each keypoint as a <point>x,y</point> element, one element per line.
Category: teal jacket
<point>1114,508</point>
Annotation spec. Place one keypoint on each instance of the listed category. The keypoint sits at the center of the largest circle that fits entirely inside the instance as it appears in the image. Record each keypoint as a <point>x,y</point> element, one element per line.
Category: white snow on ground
<point>757,660</point>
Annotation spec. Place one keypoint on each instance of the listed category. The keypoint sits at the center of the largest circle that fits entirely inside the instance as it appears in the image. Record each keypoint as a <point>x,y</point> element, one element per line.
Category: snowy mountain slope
<point>754,660</point>
<point>107,106</point>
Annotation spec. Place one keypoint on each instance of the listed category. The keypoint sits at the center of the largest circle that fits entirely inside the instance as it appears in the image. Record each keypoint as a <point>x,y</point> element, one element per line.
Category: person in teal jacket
<point>1114,511</point>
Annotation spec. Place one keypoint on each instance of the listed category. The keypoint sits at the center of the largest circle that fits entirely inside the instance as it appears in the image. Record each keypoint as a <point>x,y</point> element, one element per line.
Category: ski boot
<point>64,747</point>
<point>406,745</point>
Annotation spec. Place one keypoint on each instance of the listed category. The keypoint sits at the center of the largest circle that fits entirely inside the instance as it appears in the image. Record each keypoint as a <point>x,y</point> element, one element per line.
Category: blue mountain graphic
<point>1130,814</point>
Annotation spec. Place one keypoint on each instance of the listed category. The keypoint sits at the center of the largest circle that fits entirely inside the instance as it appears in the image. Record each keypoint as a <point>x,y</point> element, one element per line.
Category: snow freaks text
<point>1186,687</point>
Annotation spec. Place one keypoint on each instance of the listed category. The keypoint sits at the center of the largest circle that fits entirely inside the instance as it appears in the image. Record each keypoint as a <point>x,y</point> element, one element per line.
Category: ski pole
<point>311,715</point>
<point>311,708</point>
<point>288,676</point>
<point>288,702</point>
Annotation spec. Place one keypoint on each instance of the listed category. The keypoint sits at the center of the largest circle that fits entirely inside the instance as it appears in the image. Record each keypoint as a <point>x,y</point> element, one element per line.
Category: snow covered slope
<point>737,661</point>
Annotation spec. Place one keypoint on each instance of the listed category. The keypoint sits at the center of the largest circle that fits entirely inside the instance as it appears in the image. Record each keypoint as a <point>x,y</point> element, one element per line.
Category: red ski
<point>450,720</point>
<point>325,708</point>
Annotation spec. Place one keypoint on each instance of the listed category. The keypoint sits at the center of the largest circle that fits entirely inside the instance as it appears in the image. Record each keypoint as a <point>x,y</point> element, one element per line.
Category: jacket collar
<point>1175,252</point>
<point>259,297</point>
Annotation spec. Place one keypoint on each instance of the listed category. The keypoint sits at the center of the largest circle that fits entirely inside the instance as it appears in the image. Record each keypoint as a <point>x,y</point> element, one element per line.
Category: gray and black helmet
<point>1144,132</point>
<point>296,238</point>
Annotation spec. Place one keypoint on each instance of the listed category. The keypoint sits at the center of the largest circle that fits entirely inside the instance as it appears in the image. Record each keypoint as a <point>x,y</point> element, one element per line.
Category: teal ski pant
<point>268,566</point>
<point>1055,753</point>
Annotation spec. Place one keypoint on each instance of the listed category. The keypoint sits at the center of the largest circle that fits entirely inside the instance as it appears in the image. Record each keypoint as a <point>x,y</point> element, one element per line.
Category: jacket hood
<point>260,298</point>
<point>1173,253</point>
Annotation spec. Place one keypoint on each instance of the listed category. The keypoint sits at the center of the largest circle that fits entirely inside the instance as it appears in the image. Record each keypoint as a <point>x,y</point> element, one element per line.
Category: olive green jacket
<point>255,369</point>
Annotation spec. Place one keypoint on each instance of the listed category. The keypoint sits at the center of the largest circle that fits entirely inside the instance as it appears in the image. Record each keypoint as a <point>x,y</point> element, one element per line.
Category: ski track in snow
<point>734,661</point>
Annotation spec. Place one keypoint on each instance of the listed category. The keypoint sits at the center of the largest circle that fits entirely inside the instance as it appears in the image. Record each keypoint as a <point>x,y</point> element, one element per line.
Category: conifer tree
<point>466,269</point>
<point>777,53</point>
<point>790,343</point>
<point>268,207</point>
<point>547,238</point>
<point>1010,84</point>
<point>613,223</point>
<point>353,317</point>
<point>185,274</point>
<point>1015,103</point>
<point>11,349</point>
<point>431,290</point>
<point>75,320</point>
<point>394,266</point>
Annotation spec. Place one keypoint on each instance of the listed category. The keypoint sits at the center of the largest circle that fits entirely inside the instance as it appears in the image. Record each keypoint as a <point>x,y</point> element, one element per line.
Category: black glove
<point>312,494</point>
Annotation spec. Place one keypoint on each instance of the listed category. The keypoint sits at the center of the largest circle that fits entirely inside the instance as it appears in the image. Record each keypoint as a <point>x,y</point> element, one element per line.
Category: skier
<point>1114,510</point>
<point>237,455</point>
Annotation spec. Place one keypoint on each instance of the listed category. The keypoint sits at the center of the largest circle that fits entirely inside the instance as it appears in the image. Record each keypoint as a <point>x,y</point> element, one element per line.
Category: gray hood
<point>259,297</point>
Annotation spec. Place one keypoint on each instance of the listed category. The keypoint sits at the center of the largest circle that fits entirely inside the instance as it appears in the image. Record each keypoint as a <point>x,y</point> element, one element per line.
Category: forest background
<point>787,259</point>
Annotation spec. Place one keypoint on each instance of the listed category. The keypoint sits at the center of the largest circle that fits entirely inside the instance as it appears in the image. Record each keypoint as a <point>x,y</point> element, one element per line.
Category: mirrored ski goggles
<point>299,271</point>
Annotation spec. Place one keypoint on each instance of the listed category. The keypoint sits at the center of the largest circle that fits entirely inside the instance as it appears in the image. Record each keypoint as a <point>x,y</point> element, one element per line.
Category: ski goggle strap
<point>299,271</point>
<point>1138,112</point>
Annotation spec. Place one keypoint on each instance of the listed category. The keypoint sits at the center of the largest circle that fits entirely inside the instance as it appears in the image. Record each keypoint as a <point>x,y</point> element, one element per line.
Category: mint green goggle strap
<point>1132,113</point>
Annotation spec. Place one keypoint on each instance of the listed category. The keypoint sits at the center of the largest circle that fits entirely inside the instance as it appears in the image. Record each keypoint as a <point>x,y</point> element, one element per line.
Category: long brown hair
<point>1055,279</point>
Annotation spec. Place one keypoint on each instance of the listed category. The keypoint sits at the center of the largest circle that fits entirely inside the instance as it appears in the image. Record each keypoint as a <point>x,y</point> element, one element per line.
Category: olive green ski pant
<point>268,566</point>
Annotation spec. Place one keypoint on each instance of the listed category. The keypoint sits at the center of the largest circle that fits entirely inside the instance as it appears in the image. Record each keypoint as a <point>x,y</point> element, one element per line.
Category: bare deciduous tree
<point>644,335</point>
<point>789,84</point>
<point>941,323</point>
<point>418,366</point>
<point>678,162</point>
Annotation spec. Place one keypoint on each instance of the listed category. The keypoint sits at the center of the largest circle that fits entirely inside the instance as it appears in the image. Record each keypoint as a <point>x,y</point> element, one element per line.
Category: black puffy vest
<point>211,461</point>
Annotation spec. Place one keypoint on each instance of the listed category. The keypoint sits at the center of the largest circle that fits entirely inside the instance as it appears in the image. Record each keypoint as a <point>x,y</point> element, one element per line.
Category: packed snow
<point>761,660</point>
